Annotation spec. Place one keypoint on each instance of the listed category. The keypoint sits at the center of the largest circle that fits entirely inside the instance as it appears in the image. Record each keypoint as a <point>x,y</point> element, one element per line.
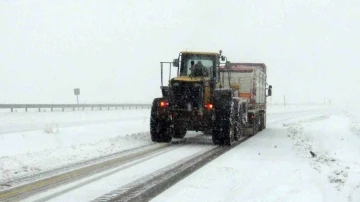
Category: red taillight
<point>164,104</point>
<point>209,106</point>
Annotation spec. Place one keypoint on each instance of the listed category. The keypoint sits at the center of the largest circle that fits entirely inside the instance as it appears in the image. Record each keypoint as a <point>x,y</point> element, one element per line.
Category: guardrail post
<point>116,108</point>
<point>52,109</point>
<point>108,108</point>
<point>12,110</point>
<point>26,109</point>
<point>39,109</point>
<point>62,109</point>
<point>92,108</point>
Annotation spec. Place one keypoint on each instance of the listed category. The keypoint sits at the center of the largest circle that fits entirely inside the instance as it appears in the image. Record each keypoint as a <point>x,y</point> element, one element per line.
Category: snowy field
<point>274,165</point>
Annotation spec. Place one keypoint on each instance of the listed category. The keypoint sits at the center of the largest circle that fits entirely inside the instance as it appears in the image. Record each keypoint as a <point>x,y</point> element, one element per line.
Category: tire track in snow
<point>26,179</point>
<point>49,182</point>
<point>27,190</point>
<point>16,167</point>
<point>149,186</point>
<point>48,173</point>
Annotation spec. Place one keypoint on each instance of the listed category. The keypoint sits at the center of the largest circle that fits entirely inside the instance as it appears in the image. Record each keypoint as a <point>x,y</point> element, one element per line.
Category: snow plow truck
<point>203,96</point>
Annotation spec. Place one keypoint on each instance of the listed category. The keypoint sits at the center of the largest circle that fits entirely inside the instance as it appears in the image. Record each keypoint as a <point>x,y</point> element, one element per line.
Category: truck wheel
<point>158,127</point>
<point>262,121</point>
<point>257,123</point>
<point>255,126</point>
<point>238,124</point>
<point>179,132</point>
<point>223,132</point>
<point>264,115</point>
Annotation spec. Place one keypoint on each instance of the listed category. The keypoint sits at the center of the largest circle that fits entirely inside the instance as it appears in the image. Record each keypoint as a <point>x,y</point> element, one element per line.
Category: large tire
<point>223,132</point>
<point>256,124</point>
<point>179,132</point>
<point>238,119</point>
<point>264,126</point>
<point>159,128</point>
<point>262,121</point>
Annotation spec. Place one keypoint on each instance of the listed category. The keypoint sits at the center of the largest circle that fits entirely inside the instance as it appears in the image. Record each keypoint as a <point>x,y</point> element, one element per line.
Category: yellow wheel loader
<point>197,99</point>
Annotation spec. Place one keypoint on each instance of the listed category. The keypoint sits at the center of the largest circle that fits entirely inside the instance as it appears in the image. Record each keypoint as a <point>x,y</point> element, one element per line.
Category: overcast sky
<point>111,49</point>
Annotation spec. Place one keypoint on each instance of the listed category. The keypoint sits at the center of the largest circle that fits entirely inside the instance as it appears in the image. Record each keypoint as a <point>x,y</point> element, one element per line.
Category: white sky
<point>112,49</point>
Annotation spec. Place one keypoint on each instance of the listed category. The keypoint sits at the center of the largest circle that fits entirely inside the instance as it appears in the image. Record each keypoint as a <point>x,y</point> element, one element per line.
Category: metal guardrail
<point>92,106</point>
<point>72,106</point>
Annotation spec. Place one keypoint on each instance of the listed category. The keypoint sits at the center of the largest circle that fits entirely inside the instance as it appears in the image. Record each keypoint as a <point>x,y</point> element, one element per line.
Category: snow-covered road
<point>89,189</point>
<point>274,165</point>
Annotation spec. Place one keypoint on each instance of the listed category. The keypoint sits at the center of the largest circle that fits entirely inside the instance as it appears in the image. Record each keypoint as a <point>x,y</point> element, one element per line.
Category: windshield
<point>197,65</point>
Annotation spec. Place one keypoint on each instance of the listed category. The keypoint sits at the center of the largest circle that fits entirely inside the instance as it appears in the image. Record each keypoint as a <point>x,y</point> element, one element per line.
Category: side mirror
<point>176,62</point>
<point>222,58</point>
<point>269,90</point>
<point>227,65</point>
